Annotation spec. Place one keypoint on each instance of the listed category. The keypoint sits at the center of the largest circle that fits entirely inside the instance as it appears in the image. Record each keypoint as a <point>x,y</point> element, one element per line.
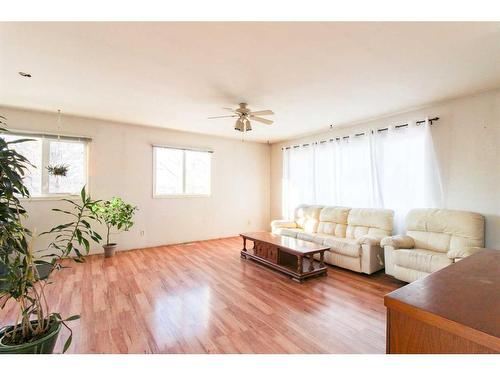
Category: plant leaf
<point>68,343</point>
<point>73,317</point>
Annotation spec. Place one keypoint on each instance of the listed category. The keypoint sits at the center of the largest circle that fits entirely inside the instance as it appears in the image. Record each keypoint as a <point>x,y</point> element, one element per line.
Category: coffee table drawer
<point>266,251</point>
<point>272,254</point>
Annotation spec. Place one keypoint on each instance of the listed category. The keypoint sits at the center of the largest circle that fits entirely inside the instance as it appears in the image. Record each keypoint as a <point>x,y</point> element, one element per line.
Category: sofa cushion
<point>333,220</point>
<point>289,232</point>
<point>407,274</point>
<point>307,217</point>
<point>373,221</point>
<point>421,260</point>
<point>344,246</point>
<point>305,236</point>
<point>320,238</point>
<point>335,229</point>
<point>444,230</point>
<point>433,241</point>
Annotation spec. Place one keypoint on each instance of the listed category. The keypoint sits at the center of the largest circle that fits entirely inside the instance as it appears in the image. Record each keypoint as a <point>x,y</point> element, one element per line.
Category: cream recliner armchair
<point>352,234</point>
<point>434,239</point>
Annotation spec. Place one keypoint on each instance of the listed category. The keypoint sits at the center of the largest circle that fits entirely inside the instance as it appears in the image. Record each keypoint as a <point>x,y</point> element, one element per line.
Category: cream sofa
<point>434,239</point>
<point>353,234</point>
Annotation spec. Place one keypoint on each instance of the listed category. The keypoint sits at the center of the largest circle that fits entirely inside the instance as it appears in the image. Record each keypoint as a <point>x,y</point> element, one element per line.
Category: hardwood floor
<point>202,298</point>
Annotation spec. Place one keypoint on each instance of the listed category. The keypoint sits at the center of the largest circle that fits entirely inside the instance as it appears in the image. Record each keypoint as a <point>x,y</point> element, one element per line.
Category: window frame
<point>183,194</point>
<point>46,139</point>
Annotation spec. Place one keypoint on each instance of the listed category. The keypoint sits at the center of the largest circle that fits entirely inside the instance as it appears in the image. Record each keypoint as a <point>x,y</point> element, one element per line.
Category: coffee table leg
<point>321,259</point>
<point>244,250</point>
<point>311,263</point>
<point>299,265</point>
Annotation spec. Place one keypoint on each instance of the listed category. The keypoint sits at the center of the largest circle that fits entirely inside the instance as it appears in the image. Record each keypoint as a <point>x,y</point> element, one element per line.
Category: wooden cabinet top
<point>465,296</point>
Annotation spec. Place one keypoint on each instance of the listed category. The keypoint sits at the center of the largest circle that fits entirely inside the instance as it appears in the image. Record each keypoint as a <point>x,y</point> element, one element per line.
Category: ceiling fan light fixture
<point>248,126</point>
<point>239,125</point>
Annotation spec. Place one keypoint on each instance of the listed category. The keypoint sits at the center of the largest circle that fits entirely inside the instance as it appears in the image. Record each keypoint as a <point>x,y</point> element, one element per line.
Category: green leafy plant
<point>115,213</point>
<point>58,170</point>
<point>13,167</point>
<point>20,279</point>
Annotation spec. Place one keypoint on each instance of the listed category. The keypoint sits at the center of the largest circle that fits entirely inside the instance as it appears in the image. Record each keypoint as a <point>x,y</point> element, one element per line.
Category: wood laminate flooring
<point>203,298</point>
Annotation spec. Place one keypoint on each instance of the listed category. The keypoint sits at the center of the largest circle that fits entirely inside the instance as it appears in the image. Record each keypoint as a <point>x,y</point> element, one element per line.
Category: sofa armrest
<point>283,224</point>
<point>398,242</point>
<point>462,253</point>
<point>369,239</point>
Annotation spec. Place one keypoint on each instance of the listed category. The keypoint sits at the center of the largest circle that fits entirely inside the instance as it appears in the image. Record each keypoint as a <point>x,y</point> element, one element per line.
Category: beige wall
<point>246,177</point>
<point>467,140</point>
<point>121,164</point>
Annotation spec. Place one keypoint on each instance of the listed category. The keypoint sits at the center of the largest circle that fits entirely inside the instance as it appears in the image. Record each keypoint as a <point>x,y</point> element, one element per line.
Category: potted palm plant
<point>37,327</point>
<point>115,213</point>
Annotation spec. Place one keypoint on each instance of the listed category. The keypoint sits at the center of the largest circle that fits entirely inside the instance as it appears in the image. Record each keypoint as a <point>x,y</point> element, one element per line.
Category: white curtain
<point>298,178</point>
<point>355,174</point>
<point>394,169</point>
<point>407,171</point>
<point>324,173</point>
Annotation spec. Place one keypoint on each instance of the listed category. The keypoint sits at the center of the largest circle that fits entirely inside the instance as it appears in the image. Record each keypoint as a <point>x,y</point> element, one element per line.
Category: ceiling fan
<point>245,115</point>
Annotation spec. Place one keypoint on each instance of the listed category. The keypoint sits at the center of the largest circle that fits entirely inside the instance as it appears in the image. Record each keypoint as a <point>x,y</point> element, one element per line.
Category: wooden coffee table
<point>286,254</point>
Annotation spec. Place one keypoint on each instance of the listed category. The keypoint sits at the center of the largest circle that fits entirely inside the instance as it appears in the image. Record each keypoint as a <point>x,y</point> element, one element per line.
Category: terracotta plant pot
<point>109,250</point>
<point>44,345</point>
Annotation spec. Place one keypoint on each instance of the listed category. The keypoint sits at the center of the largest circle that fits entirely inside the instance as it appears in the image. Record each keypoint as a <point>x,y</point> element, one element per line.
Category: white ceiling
<point>174,75</point>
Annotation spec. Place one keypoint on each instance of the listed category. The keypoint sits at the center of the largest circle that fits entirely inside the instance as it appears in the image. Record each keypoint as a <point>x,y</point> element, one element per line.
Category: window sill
<point>50,197</point>
<point>182,196</point>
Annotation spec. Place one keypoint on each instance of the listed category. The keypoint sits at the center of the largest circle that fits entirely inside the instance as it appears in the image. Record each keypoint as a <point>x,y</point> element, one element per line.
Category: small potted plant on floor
<point>37,327</point>
<point>115,213</point>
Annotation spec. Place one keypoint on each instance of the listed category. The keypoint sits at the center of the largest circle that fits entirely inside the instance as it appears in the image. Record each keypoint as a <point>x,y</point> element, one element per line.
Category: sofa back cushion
<point>333,221</point>
<point>373,221</point>
<point>443,230</point>
<point>307,217</point>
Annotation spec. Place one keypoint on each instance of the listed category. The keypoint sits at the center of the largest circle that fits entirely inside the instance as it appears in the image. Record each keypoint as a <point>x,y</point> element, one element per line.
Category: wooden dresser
<point>454,310</point>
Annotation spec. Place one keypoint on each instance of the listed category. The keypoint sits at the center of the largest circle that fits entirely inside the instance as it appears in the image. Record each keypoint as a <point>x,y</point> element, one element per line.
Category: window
<point>44,151</point>
<point>181,172</point>
<point>396,168</point>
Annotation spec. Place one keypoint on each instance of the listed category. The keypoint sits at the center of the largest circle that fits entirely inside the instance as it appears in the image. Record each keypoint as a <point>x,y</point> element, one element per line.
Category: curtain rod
<point>431,120</point>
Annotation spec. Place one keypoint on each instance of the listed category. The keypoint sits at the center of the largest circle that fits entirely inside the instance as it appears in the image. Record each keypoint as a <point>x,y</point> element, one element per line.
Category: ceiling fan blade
<point>222,116</point>
<point>265,112</point>
<point>229,109</point>
<point>260,119</point>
